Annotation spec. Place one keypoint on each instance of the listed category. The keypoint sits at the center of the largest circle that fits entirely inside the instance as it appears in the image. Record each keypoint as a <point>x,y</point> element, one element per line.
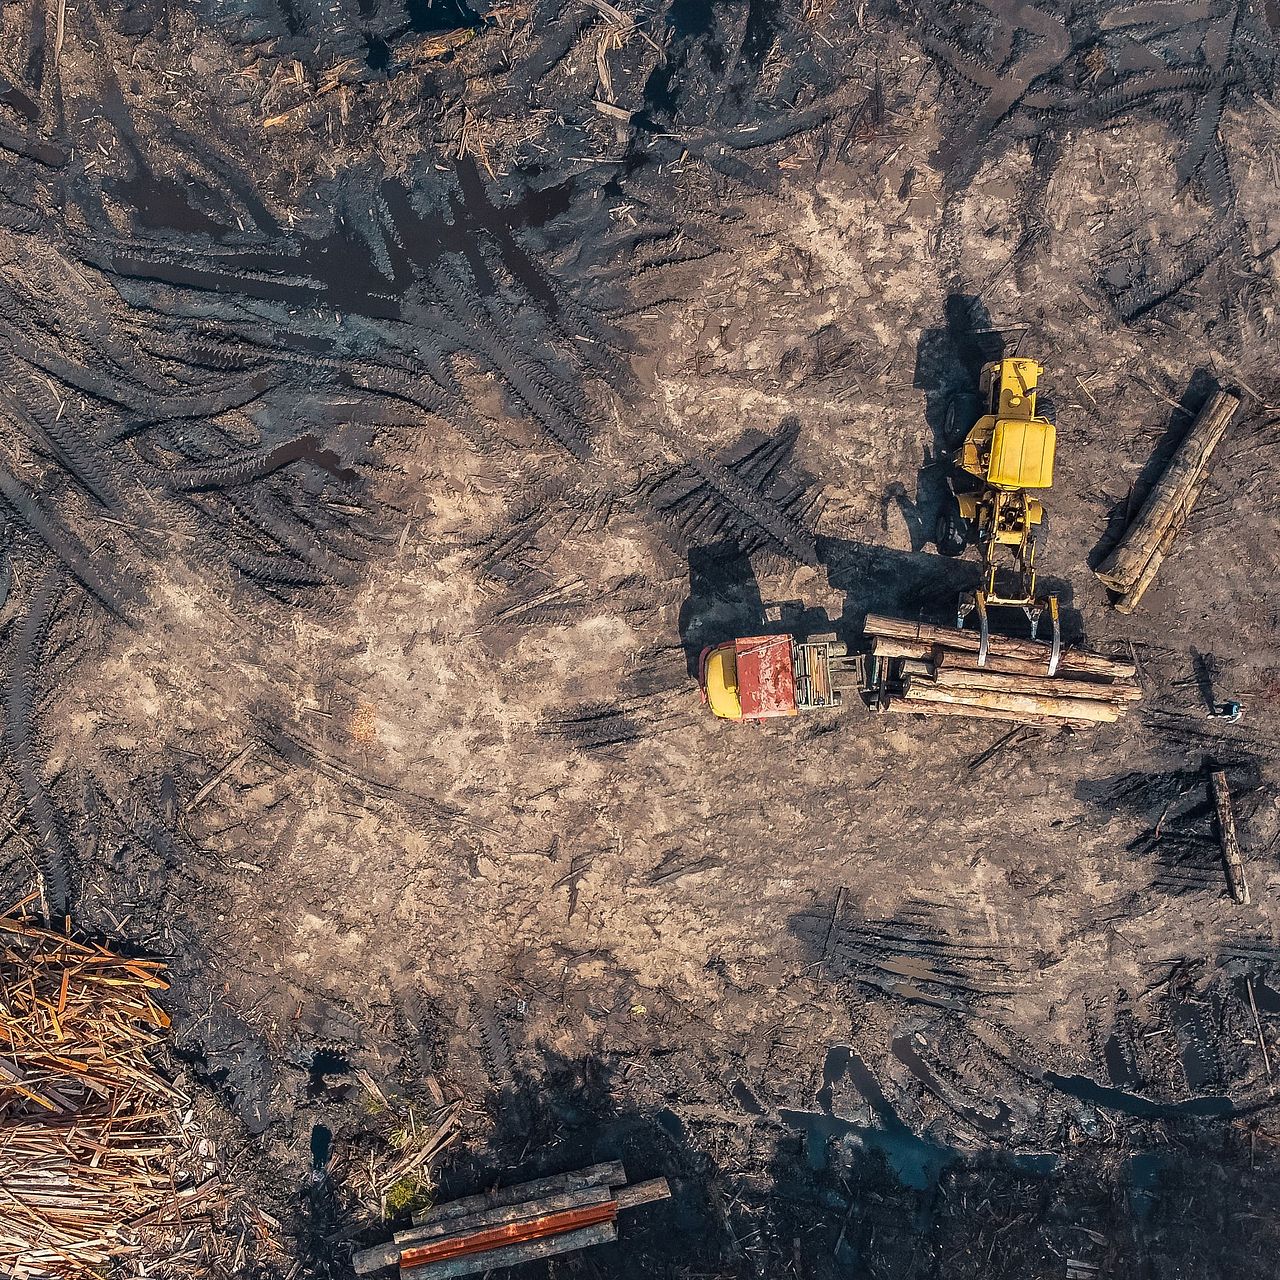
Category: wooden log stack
<point>938,674</point>
<point>513,1225</point>
<point>1132,566</point>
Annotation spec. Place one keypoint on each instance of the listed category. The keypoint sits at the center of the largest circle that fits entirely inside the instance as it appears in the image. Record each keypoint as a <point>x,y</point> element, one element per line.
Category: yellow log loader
<point>1010,451</point>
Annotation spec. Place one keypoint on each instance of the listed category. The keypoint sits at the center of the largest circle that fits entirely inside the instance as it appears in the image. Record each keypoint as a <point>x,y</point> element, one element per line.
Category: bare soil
<point>393,415</point>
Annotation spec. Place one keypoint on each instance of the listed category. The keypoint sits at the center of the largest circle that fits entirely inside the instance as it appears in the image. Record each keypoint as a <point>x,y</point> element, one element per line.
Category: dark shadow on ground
<point>723,602</point>
<point>1199,389</point>
<point>1206,669</point>
<point>920,587</point>
<point>948,362</point>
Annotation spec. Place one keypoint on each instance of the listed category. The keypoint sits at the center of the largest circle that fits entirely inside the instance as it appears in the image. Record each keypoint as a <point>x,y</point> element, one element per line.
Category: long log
<point>924,633</point>
<point>1022,703</point>
<point>608,1174</point>
<point>1227,838</point>
<point>1040,686</point>
<point>513,1255</point>
<point>1128,602</point>
<point>924,659</point>
<point>639,1193</point>
<point>503,1235</point>
<point>958,660</point>
<point>1122,568</point>
<point>502,1214</point>
<point>985,713</point>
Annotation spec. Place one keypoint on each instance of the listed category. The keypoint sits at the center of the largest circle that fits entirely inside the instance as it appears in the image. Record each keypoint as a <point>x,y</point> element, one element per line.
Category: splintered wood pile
<point>513,1225</point>
<point>939,675</point>
<point>91,1136</point>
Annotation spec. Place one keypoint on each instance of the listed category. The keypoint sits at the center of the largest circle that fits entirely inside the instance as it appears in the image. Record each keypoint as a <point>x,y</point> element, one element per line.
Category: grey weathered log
<point>1228,839</point>
<point>1167,501</point>
<point>639,1193</point>
<point>924,659</point>
<point>499,1215</point>
<point>918,667</point>
<point>1128,602</point>
<point>947,677</point>
<point>984,713</point>
<point>513,1255</point>
<point>1020,703</point>
<point>609,1174</point>
<point>1120,668</point>
<point>952,638</point>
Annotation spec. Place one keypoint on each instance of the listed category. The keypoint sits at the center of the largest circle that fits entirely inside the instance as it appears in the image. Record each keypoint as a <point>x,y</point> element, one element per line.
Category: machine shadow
<point>723,602</point>
<point>1201,386</point>
<point>915,587</point>
<point>948,362</point>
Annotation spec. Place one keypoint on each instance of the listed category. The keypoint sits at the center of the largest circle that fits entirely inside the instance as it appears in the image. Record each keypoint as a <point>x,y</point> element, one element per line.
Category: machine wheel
<point>962,412</point>
<point>952,531</point>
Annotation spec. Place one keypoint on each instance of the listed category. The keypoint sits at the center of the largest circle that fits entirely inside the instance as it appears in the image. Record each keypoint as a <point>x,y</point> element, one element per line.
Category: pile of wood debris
<point>99,1154</point>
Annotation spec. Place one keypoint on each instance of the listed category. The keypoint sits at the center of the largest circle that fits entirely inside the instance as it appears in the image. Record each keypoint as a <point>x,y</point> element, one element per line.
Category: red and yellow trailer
<point>765,677</point>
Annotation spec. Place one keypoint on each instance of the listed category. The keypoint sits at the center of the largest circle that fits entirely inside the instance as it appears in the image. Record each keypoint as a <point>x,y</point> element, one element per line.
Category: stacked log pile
<point>95,1145</point>
<point>1132,566</point>
<point>939,675</point>
<point>513,1225</point>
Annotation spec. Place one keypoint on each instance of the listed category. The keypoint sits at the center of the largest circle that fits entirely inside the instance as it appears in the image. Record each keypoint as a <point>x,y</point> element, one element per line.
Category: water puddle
<point>997,1125</point>
<point>307,448</point>
<point>21,102</point>
<point>834,1067</point>
<point>916,1162</point>
<point>1122,1072</point>
<point>321,1144</point>
<point>440,15</point>
<point>1105,1099</point>
<point>161,204</point>
<point>338,269</point>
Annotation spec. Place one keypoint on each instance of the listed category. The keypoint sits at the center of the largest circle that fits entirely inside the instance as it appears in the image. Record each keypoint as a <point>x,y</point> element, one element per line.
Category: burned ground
<point>397,398</point>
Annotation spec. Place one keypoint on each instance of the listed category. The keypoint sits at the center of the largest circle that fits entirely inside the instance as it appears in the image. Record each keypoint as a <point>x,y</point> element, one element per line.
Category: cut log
<point>639,1193</point>
<point>948,677</point>
<point>912,650</point>
<point>985,713</point>
<point>957,660</point>
<point>920,659</point>
<point>1021,703</point>
<point>1123,567</point>
<point>928,635</point>
<point>380,1256</point>
<point>500,1215</point>
<point>917,667</point>
<point>608,1174</point>
<point>1128,602</point>
<point>1228,839</point>
<point>513,1255</point>
<point>502,1236</point>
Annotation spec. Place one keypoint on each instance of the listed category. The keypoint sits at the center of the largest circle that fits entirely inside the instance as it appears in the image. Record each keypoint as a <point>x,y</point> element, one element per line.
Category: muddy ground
<point>396,398</point>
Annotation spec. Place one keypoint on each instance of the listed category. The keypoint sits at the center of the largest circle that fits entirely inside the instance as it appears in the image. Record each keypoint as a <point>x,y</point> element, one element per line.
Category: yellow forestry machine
<point>1010,450</point>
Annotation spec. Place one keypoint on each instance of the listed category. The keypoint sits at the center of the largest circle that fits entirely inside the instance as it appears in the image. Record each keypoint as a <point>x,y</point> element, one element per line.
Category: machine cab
<point>1010,447</point>
<point>719,681</point>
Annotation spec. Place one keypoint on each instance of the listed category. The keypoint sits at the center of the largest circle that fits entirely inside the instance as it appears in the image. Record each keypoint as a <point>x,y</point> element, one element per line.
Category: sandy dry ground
<point>477,826</point>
